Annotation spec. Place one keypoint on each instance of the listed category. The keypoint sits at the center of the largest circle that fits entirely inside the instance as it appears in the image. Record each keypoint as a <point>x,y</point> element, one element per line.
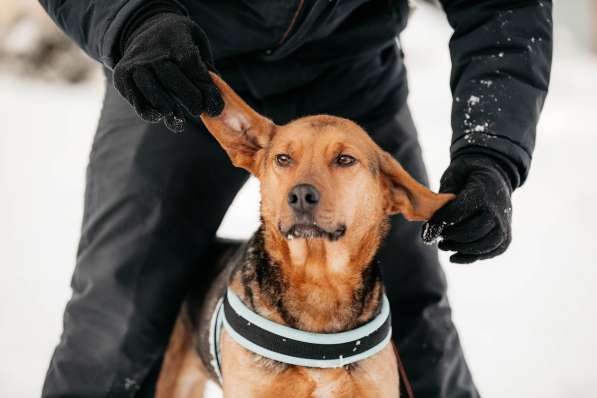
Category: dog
<point>327,191</point>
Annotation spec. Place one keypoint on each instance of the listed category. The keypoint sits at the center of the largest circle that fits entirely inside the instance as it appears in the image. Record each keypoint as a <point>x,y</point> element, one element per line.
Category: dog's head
<point>322,177</point>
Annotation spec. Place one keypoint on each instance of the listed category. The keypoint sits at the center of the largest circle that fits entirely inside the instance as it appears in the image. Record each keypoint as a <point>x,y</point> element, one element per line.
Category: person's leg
<point>426,338</point>
<point>153,202</point>
<point>371,91</point>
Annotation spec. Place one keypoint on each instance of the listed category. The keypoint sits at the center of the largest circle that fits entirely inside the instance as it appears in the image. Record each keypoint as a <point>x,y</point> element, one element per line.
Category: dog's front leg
<point>246,377</point>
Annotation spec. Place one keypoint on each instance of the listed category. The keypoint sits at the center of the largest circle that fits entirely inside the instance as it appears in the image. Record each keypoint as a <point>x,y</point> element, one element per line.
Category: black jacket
<point>501,52</point>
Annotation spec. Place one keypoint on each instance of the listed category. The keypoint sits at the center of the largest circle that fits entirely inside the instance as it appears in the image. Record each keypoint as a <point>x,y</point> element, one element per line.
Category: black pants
<point>153,203</point>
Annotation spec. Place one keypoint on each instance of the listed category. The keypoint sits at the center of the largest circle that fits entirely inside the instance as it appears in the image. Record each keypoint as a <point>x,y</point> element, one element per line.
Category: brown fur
<point>316,284</point>
<point>182,373</point>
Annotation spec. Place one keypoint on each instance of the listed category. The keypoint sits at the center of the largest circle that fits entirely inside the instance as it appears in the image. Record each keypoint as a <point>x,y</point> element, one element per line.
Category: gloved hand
<point>163,71</point>
<point>477,223</point>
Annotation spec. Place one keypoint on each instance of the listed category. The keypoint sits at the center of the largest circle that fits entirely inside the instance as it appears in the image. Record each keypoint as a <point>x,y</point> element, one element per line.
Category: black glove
<point>477,223</point>
<point>163,71</point>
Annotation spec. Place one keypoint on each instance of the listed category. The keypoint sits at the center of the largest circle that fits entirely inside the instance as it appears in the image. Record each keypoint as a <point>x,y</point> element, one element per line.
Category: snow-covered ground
<point>528,319</point>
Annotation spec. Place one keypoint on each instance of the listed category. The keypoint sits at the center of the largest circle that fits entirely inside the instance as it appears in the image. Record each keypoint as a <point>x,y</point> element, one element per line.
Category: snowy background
<point>528,319</point>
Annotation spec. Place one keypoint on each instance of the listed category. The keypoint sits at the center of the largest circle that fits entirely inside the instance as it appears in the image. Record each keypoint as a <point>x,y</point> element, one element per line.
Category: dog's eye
<point>283,160</point>
<point>345,160</point>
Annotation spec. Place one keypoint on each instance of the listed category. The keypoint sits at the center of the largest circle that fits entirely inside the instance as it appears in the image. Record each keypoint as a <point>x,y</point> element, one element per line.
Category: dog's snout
<point>303,197</point>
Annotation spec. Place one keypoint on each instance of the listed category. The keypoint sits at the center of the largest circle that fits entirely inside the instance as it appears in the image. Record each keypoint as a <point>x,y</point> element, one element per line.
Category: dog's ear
<point>403,194</point>
<point>239,129</point>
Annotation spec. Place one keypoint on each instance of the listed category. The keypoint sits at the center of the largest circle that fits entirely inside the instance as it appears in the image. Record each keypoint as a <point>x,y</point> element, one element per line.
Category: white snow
<point>527,319</point>
<point>473,100</point>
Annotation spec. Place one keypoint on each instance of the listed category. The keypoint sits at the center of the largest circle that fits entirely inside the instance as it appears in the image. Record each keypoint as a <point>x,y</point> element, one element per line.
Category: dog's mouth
<point>312,231</point>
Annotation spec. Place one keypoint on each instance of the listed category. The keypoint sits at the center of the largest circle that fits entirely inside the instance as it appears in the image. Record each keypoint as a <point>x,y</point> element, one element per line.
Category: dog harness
<point>292,346</point>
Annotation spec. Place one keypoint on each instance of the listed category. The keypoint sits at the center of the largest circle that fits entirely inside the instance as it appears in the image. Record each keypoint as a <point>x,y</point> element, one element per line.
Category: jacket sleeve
<point>97,25</point>
<point>501,59</point>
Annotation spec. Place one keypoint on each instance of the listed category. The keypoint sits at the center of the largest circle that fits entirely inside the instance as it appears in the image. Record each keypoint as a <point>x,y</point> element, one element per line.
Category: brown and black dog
<point>327,191</point>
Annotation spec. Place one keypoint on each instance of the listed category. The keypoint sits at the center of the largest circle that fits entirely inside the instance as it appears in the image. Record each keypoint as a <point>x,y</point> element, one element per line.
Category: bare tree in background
<point>594,25</point>
<point>31,45</point>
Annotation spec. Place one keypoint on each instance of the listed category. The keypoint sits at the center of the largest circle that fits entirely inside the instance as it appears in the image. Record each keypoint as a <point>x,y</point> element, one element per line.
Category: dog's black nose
<point>303,198</point>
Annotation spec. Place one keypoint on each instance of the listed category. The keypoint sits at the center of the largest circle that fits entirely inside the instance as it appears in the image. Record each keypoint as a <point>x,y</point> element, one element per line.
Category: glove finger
<point>196,71</point>
<point>486,244</point>
<point>453,179</point>
<point>471,229</point>
<point>152,91</point>
<point>464,258</point>
<point>448,215</point>
<point>214,103</point>
<point>180,87</point>
<point>448,185</point>
<point>200,39</point>
<point>159,98</point>
<point>460,258</point>
<point>125,85</point>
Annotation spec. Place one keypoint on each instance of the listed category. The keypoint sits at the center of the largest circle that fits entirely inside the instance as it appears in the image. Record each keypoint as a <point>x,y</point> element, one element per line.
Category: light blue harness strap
<point>292,346</point>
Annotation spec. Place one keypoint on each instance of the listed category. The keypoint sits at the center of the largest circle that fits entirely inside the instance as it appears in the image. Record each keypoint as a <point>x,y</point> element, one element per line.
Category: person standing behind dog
<point>154,200</point>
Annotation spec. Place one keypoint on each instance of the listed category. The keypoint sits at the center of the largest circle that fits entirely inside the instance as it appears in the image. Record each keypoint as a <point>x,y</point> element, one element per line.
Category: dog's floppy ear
<point>403,194</point>
<point>241,131</point>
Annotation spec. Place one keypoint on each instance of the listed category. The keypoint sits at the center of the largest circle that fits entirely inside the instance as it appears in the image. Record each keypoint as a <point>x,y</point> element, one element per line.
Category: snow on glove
<point>163,72</point>
<point>477,223</point>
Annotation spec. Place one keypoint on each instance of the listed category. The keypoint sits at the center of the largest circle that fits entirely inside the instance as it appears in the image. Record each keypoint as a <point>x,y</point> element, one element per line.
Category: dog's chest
<point>329,383</point>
